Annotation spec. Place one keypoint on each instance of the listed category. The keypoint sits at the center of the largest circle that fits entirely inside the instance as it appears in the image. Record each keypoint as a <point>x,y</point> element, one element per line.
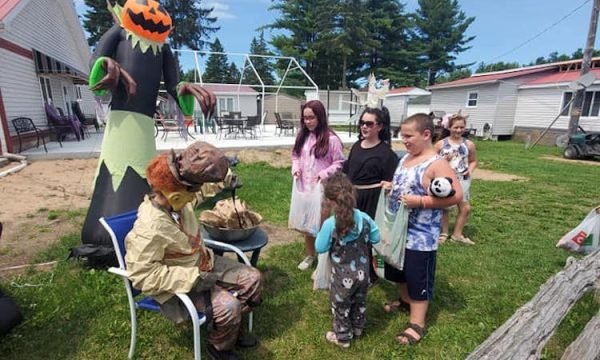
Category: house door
<point>67,98</point>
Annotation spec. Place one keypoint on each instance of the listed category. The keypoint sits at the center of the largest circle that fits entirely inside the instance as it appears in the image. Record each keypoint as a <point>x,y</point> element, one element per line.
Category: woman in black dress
<point>371,160</point>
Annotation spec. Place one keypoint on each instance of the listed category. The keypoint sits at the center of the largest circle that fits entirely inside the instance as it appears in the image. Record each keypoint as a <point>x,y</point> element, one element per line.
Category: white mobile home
<point>44,57</point>
<point>520,101</point>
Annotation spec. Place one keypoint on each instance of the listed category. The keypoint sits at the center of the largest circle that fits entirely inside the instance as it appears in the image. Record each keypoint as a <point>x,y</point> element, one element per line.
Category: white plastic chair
<point>118,226</point>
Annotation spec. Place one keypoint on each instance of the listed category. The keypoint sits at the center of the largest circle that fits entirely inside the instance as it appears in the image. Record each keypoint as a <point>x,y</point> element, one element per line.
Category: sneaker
<point>306,263</point>
<point>357,332</point>
<point>462,239</point>
<point>332,338</point>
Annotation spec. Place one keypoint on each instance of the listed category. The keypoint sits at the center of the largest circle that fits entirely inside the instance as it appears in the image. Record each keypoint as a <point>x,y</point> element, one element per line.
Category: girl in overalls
<point>345,235</point>
<point>461,156</point>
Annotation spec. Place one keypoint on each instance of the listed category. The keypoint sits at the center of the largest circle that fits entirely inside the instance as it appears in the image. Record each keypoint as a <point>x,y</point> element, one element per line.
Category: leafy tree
<point>263,66</point>
<point>499,66</point>
<point>441,27</point>
<point>216,65</point>
<point>97,19</point>
<point>455,75</point>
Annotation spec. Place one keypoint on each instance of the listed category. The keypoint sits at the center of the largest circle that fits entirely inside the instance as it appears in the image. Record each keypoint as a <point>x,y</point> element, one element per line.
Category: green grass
<point>77,313</point>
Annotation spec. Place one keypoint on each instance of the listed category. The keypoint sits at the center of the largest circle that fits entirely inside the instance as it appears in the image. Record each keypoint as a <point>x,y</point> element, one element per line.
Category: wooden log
<point>586,346</point>
<point>525,334</point>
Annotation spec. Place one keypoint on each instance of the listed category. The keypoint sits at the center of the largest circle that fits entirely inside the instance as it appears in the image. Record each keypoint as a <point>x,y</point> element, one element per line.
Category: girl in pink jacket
<point>317,154</point>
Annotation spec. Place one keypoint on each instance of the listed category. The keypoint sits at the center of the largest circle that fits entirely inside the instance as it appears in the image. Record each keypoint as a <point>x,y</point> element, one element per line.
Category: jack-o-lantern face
<point>147,19</point>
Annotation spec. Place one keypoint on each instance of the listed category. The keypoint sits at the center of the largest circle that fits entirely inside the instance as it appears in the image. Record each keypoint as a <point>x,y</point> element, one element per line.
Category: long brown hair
<point>322,131</point>
<point>339,189</point>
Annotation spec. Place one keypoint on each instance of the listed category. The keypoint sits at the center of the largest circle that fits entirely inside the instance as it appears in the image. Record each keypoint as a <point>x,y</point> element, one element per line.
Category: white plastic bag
<point>585,237</point>
<point>305,209</point>
<point>322,273</point>
<point>392,228</point>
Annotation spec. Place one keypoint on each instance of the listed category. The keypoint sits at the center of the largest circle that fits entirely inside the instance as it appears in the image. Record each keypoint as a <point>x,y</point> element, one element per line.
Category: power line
<point>542,32</point>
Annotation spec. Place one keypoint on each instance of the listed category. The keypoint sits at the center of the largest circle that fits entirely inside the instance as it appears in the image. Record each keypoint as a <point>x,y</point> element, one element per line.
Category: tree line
<point>338,43</point>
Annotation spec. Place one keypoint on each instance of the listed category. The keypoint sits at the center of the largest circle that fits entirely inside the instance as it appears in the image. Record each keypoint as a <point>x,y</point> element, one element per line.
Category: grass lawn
<point>78,313</point>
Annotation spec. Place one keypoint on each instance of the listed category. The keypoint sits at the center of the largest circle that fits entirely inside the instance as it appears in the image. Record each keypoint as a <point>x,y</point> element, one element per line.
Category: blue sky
<point>501,27</point>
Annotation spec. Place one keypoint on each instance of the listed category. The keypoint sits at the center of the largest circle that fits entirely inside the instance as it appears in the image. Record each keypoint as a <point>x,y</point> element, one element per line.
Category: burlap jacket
<point>161,258</point>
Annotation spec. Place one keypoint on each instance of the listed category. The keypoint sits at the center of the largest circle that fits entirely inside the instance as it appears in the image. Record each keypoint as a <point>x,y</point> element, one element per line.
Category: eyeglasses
<point>368,124</point>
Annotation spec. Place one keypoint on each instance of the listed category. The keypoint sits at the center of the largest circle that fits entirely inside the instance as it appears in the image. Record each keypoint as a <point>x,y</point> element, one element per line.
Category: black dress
<point>370,166</point>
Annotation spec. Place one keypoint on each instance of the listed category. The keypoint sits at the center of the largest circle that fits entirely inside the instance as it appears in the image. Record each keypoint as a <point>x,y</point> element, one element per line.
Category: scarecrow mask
<point>147,19</point>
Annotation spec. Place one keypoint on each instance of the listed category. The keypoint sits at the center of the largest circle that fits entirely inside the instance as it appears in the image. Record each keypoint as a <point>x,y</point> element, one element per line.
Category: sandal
<point>397,305</point>
<point>462,239</point>
<point>442,238</point>
<point>410,338</point>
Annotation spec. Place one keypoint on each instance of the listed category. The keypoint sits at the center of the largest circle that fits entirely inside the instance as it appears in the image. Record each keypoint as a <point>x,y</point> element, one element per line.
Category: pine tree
<point>193,23</point>
<point>216,66</point>
<point>97,19</point>
<point>308,25</point>
<point>233,74</point>
<point>393,53</point>
<point>441,27</point>
<point>263,66</point>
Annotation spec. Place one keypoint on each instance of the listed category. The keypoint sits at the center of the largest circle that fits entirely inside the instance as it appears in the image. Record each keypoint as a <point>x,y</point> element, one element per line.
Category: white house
<point>405,101</point>
<point>519,101</point>
<point>234,97</point>
<point>44,57</point>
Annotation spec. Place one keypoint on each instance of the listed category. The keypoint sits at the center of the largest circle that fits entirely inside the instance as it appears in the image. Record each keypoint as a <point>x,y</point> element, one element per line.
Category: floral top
<point>310,167</point>
<point>460,155</point>
<point>423,224</point>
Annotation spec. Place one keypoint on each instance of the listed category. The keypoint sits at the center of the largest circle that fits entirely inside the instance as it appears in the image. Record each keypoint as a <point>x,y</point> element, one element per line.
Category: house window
<point>78,92</point>
<point>589,108</point>
<point>46,89</point>
<point>225,104</point>
<point>472,98</point>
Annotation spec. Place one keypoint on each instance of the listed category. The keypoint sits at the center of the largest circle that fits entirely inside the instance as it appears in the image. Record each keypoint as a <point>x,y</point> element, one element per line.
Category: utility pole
<point>585,68</point>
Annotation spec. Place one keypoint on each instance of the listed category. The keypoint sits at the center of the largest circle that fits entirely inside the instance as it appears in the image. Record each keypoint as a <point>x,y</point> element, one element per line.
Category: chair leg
<point>44,142</point>
<point>20,145</point>
<point>132,311</point>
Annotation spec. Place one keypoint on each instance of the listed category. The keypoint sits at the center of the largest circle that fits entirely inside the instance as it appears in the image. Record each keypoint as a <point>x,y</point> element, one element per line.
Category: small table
<point>254,243</point>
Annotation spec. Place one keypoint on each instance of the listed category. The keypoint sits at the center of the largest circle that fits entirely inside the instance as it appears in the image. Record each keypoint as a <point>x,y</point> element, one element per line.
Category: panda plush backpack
<point>441,187</point>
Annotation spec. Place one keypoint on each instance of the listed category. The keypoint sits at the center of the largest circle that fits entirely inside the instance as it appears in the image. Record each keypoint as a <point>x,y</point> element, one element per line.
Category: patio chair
<point>25,127</point>
<point>85,120</point>
<point>62,125</point>
<point>73,119</point>
<point>118,226</point>
<point>283,125</point>
<point>252,126</point>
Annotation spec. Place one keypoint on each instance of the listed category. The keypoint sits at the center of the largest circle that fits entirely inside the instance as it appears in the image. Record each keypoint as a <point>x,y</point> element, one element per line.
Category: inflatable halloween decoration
<point>130,61</point>
<point>146,19</point>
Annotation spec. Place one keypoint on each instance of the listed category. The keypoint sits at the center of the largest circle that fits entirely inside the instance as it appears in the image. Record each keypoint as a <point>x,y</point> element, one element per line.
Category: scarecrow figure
<point>130,60</point>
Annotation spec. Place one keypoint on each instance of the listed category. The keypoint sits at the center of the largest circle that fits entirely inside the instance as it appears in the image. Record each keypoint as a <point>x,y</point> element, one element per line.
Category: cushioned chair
<point>118,226</point>
<point>62,125</point>
<point>85,120</point>
<point>73,119</point>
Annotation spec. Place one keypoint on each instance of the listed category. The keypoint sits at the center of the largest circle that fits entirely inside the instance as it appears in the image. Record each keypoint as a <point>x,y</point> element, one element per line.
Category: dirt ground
<point>32,200</point>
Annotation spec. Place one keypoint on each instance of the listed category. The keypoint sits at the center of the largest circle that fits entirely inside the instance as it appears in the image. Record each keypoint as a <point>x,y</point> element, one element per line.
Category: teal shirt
<point>323,241</point>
